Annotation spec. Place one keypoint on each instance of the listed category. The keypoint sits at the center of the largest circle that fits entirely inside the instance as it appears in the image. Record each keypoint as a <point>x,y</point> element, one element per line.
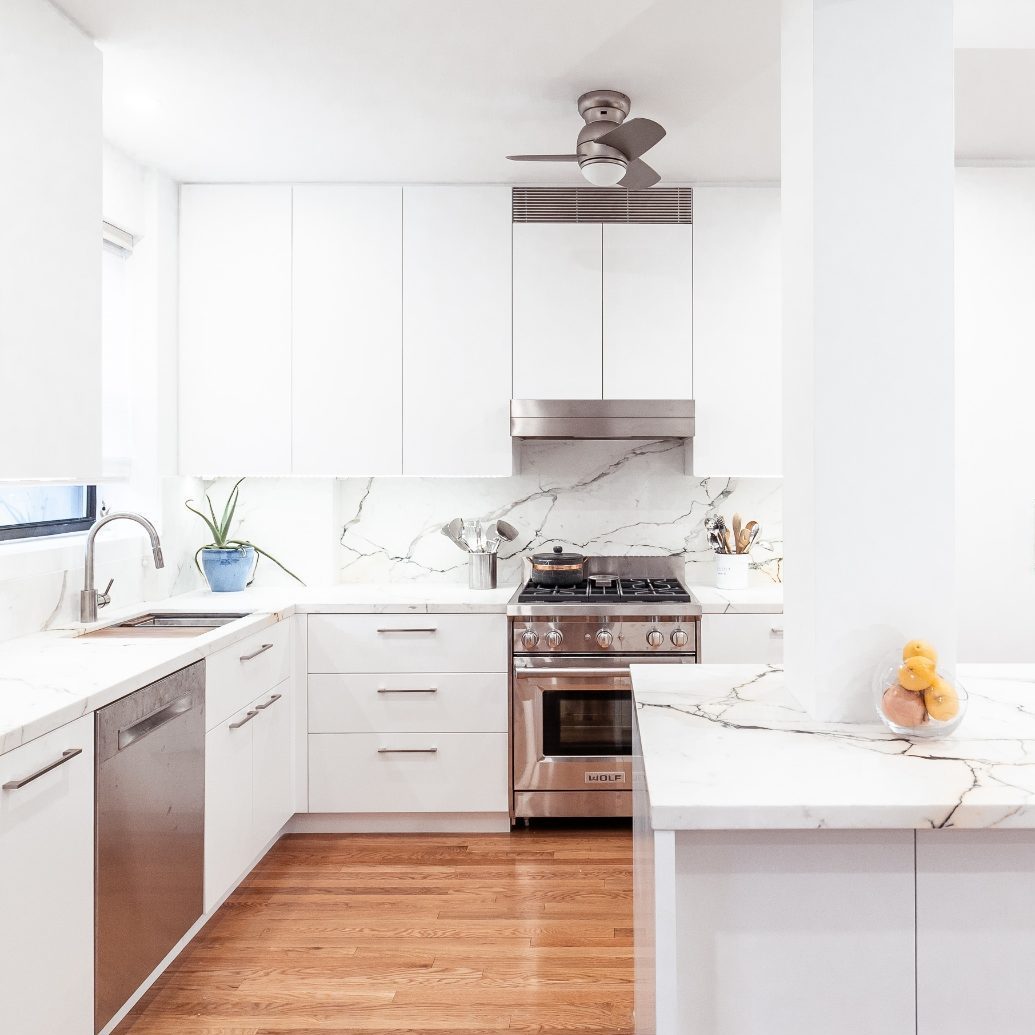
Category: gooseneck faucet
<point>89,598</point>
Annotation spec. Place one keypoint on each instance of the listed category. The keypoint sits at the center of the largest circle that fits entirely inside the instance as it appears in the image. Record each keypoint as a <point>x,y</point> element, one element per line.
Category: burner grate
<point>619,591</point>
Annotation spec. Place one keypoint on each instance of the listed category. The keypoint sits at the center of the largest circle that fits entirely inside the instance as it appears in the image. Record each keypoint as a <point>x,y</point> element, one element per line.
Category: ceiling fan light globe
<point>603,172</point>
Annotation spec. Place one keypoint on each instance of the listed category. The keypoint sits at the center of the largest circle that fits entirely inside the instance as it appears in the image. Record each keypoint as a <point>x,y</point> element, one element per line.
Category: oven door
<point>573,723</point>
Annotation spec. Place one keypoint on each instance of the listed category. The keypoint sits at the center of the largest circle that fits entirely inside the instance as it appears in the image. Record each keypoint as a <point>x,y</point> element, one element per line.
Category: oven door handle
<point>560,673</point>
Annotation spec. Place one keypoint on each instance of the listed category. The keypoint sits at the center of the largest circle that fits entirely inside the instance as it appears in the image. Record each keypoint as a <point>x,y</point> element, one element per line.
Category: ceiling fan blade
<point>543,158</point>
<point>633,138</point>
<point>638,176</point>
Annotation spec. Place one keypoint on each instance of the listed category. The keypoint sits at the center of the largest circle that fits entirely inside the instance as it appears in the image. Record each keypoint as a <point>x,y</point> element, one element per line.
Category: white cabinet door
<point>648,303</point>
<point>557,311</point>
<point>741,639</point>
<point>50,265</point>
<point>272,790</point>
<point>737,332</point>
<point>975,931</point>
<point>235,330</point>
<point>456,331</point>
<point>229,844</point>
<point>347,330</point>
<point>46,886</point>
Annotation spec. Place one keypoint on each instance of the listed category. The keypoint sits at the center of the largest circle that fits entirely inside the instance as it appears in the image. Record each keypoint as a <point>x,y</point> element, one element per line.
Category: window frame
<point>42,529</point>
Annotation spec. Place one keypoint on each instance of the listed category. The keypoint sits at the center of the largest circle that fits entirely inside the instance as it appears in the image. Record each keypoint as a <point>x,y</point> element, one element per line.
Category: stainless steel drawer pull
<point>255,653</point>
<point>407,751</point>
<point>141,729</point>
<point>248,716</point>
<point>273,700</point>
<point>13,785</point>
<point>430,629</point>
<point>389,690</point>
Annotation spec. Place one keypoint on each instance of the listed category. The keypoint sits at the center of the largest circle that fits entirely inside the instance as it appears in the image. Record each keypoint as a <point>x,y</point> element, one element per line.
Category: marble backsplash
<point>599,497</point>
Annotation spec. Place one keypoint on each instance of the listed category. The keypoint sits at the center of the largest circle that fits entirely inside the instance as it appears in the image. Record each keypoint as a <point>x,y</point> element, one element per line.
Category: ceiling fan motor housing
<point>603,110</point>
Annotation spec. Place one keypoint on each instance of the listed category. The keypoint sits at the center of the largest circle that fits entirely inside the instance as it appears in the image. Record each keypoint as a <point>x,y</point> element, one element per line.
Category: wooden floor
<point>529,931</point>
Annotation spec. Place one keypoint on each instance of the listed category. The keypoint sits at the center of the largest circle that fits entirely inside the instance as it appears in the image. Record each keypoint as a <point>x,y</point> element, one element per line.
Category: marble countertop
<point>726,747</point>
<point>53,677</point>
<point>755,600</point>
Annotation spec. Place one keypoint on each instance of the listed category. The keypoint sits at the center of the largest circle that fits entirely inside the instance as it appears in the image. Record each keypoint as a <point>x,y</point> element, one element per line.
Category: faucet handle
<point>104,599</point>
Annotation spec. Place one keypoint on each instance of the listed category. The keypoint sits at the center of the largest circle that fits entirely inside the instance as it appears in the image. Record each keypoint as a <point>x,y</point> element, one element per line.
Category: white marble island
<point>802,877</point>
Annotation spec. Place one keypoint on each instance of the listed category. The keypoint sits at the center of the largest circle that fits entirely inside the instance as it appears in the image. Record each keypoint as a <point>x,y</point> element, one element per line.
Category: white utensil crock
<point>731,570</point>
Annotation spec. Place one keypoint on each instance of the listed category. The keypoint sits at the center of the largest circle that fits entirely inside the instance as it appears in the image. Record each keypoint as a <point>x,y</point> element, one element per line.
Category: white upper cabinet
<point>737,332</point>
<point>235,330</point>
<point>557,311</point>
<point>50,265</point>
<point>456,331</point>
<point>648,326</point>
<point>347,330</point>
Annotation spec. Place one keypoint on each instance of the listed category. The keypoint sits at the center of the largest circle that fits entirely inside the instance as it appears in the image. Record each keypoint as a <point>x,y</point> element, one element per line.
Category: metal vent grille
<point>593,205</point>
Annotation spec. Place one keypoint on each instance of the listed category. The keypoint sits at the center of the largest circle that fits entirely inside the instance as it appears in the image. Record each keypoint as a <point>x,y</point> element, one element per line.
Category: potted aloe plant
<point>228,564</point>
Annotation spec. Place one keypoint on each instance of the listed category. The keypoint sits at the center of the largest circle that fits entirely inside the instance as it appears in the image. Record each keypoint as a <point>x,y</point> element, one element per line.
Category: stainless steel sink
<point>166,625</point>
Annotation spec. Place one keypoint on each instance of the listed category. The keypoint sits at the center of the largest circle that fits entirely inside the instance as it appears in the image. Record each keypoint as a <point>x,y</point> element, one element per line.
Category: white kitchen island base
<point>830,928</point>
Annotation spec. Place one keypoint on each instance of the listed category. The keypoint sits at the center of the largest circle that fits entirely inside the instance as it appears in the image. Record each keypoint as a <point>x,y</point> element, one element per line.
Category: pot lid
<point>558,557</point>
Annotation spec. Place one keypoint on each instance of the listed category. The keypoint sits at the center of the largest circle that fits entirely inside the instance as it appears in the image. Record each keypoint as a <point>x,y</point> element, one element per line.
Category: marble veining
<point>727,747</point>
<point>599,497</point>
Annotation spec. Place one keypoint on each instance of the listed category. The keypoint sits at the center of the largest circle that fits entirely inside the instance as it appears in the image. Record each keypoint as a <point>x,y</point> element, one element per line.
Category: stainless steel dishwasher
<point>150,828</point>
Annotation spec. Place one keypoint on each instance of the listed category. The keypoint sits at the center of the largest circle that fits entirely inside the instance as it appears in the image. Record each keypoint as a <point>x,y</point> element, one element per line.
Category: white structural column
<point>868,340</point>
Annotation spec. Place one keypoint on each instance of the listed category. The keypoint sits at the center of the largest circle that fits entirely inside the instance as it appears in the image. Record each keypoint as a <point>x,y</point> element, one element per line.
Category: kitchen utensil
<point>470,535</point>
<point>727,540</point>
<point>558,568</point>
<point>608,148</point>
<point>453,531</point>
<point>507,530</point>
<point>751,530</point>
<point>737,528</point>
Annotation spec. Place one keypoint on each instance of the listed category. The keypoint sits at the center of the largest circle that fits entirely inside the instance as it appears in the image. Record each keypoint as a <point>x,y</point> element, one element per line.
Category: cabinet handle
<point>388,690</point>
<point>776,633</point>
<point>248,716</point>
<point>407,751</point>
<point>255,653</point>
<point>273,700</point>
<point>430,629</point>
<point>13,785</point>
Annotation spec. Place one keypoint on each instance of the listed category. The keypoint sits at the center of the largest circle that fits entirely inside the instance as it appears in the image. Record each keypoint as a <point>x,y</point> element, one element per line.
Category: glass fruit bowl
<point>934,711</point>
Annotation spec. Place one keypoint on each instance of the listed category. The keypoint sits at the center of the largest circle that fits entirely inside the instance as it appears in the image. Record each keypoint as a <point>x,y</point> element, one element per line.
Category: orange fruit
<point>919,649</point>
<point>903,707</point>
<point>916,674</point>
<point>941,700</point>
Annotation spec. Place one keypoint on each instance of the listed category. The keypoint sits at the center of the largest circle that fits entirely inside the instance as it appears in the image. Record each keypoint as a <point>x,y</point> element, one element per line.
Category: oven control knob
<point>554,638</point>
<point>655,638</point>
<point>529,639</point>
<point>680,638</point>
<point>604,638</point>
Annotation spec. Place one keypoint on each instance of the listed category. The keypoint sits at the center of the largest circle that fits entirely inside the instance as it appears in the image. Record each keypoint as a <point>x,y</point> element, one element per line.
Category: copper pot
<point>558,568</point>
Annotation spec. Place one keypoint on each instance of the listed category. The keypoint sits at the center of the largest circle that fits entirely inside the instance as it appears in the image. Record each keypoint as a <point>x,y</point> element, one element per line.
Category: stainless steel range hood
<point>601,418</point>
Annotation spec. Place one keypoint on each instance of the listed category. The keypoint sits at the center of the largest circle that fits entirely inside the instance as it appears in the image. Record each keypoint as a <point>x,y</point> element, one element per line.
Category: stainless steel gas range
<point>571,691</point>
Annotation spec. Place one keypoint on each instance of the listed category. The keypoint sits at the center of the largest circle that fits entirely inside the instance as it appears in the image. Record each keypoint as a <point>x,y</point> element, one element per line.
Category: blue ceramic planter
<point>228,571</point>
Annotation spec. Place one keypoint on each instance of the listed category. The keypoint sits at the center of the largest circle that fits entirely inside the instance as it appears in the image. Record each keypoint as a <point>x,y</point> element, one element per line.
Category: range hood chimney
<point>601,418</point>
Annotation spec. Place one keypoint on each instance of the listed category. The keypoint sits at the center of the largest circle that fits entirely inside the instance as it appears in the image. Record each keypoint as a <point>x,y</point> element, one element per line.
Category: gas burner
<point>614,591</point>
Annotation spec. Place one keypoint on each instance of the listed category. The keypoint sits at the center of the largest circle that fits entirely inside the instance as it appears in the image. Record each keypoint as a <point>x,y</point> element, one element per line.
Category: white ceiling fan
<point>608,148</point>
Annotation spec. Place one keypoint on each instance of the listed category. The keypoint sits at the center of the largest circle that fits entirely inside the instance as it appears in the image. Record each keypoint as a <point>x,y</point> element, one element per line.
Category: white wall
<point>995,413</point>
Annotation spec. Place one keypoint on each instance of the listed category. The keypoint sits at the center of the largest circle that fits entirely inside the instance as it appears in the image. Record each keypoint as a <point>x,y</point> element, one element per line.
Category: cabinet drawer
<point>742,639</point>
<point>437,772</point>
<point>408,643</point>
<point>242,671</point>
<point>435,702</point>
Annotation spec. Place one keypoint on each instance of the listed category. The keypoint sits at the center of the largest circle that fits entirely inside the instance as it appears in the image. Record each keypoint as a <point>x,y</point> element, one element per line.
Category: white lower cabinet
<point>46,884</point>
<point>408,772</point>
<point>741,639</point>
<point>248,787</point>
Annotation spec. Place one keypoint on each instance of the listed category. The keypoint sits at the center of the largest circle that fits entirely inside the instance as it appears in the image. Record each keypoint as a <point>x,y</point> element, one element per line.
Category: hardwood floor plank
<point>414,935</point>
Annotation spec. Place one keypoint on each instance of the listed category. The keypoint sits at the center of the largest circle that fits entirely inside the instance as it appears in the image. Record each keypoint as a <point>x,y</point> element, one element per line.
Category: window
<point>28,511</point>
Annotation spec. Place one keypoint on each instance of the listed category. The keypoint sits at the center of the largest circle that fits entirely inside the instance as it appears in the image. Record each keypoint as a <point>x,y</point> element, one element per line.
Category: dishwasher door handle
<point>13,785</point>
<point>133,733</point>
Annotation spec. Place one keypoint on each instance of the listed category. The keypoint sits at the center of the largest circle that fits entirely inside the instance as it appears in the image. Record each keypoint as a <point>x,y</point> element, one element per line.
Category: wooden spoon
<point>737,526</point>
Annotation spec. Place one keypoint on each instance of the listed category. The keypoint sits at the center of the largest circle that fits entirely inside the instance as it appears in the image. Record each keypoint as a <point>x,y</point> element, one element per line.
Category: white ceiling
<point>441,90</point>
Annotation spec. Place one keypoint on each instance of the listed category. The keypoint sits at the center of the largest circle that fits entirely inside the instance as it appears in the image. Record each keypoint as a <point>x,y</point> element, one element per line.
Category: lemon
<point>916,674</point>
<point>919,649</point>
<point>941,700</point>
